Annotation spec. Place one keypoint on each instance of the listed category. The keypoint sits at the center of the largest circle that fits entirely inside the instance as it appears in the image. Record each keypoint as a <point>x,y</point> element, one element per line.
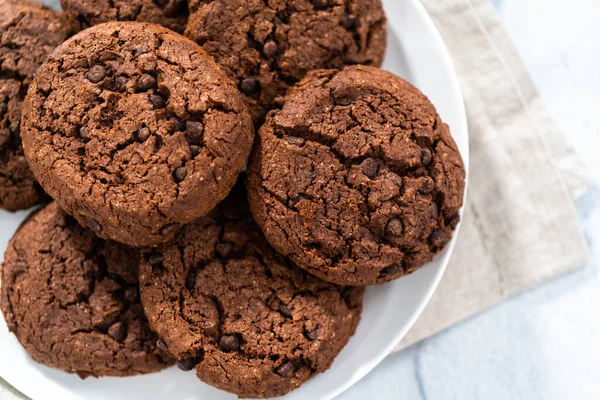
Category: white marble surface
<point>544,343</point>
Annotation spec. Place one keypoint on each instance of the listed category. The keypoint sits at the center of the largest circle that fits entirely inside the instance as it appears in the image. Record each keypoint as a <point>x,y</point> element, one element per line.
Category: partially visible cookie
<point>267,46</point>
<point>356,179</point>
<point>28,33</point>
<point>73,302</point>
<point>225,303</point>
<point>135,131</point>
<point>172,14</point>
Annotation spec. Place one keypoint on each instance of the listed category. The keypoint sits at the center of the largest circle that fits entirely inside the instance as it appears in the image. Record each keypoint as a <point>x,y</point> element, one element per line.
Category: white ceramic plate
<point>415,52</point>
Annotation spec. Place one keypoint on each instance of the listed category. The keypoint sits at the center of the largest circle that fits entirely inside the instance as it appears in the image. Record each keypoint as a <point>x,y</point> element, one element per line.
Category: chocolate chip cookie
<point>73,302</point>
<point>134,130</point>
<point>172,14</point>
<point>266,47</point>
<point>249,322</point>
<point>28,33</point>
<point>356,178</point>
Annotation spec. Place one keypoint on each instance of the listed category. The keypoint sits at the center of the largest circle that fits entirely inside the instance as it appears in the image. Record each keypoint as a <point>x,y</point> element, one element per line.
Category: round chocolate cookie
<point>134,130</point>
<point>28,33</point>
<point>266,47</point>
<point>73,302</point>
<point>172,14</point>
<point>356,179</point>
<point>225,303</point>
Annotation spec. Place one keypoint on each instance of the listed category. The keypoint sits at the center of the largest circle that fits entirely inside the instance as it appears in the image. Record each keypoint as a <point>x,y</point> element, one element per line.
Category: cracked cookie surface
<point>267,46</point>
<point>172,14</point>
<point>72,299</point>
<point>134,130</point>
<point>225,303</point>
<point>28,34</point>
<point>356,179</point>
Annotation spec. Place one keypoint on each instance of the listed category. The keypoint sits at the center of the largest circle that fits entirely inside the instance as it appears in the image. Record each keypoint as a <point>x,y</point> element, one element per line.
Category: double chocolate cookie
<point>28,33</point>
<point>172,14</point>
<point>225,303</point>
<point>135,130</point>
<point>356,179</point>
<point>73,302</point>
<point>267,46</point>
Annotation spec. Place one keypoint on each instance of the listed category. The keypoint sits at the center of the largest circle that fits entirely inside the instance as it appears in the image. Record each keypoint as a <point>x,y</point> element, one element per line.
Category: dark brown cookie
<point>356,178</point>
<point>73,302</point>
<point>172,14</point>
<point>28,33</point>
<point>266,47</point>
<point>249,322</point>
<point>134,130</point>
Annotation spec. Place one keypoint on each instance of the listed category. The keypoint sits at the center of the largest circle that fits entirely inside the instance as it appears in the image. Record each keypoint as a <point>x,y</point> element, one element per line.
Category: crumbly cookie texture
<point>266,47</point>
<point>225,303</point>
<point>134,130</point>
<point>172,14</point>
<point>73,302</point>
<point>28,33</point>
<point>356,179</point>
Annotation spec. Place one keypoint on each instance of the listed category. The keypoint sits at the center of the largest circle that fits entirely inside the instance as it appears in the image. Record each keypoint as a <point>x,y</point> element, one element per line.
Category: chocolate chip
<point>229,343</point>
<point>394,269</point>
<point>295,141</point>
<point>253,43</point>
<point>96,74</point>
<point>438,238</point>
<point>156,259</point>
<point>180,174</point>
<point>224,250</point>
<point>117,331</point>
<point>121,83</point>
<point>195,131</point>
<point>93,225</point>
<point>369,168</point>
<point>195,150</point>
<point>161,3</point>
<point>157,101</point>
<point>202,38</point>
<point>190,280</point>
<point>453,222</point>
<point>177,125</point>
<point>250,86</point>
<point>3,108</point>
<point>84,132</point>
<point>270,49</point>
<point>187,364</point>
<point>394,228</point>
<point>162,346</point>
<point>311,335</point>
<point>426,157</point>
<point>348,21</point>
<point>286,370</point>
<point>319,4</point>
<point>109,84</point>
<point>145,82</point>
<point>142,134</point>
<point>426,185</point>
<point>285,311</point>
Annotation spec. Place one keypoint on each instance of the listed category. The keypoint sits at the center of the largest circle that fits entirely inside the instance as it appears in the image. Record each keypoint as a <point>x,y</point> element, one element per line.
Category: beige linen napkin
<point>519,228</point>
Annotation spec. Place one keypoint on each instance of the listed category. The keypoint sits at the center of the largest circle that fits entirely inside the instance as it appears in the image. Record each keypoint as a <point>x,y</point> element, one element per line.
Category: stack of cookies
<point>159,246</point>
